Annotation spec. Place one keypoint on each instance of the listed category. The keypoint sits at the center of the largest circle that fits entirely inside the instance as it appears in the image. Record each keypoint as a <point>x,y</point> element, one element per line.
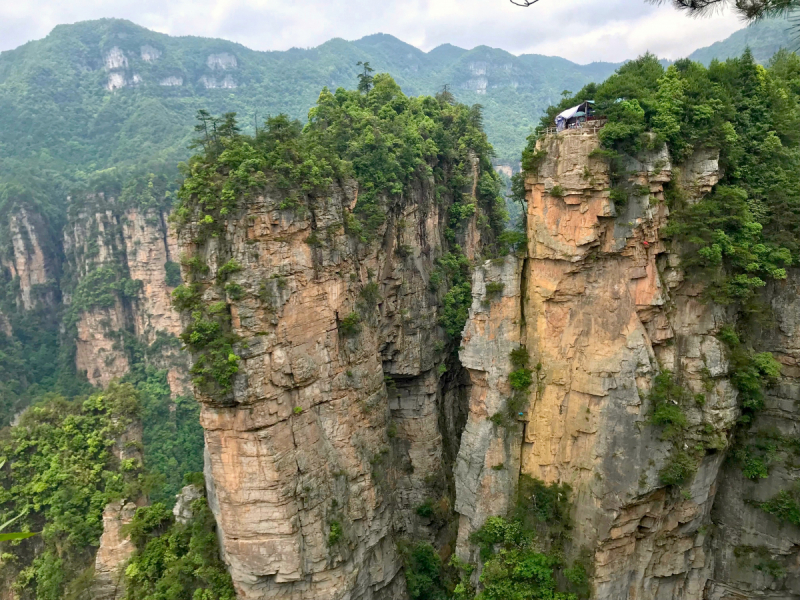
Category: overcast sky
<point>580,30</point>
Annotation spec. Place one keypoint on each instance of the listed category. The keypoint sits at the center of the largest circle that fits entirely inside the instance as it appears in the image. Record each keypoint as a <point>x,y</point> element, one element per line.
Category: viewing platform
<point>589,126</point>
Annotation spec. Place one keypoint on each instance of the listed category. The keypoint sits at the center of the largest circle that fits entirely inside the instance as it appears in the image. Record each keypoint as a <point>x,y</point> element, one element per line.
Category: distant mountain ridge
<point>99,94</point>
<point>764,38</point>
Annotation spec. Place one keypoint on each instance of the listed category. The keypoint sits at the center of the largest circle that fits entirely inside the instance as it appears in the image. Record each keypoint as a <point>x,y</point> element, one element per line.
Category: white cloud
<point>580,30</point>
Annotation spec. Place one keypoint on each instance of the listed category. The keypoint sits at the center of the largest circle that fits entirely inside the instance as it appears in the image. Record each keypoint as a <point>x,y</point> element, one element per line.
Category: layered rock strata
<point>488,464</point>
<point>755,554</point>
<point>607,309</point>
<point>332,434</point>
<point>134,246</point>
<point>31,260</point>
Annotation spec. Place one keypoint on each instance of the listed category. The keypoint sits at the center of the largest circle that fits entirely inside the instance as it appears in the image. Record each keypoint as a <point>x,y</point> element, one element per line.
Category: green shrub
<point>671,417</point>
<point>784,506</point>
<point>370,296</point>
<point>520,358</point>
<point>314,240</point>
<point>404,251</point>
<point>60,473</point>
<point>751,372</point>
<point>195,264</point>
<point>523,553</point>
<point>422,566</point>
<point>174,560</point>
<point>351,325</point>
<point>511,241</point>
<point>619,196</point>
<point>101,288</point>
<point>335,534</point>
<point>459,213</point>
<point>557,191</point>
<point>232,266</point>
<point>680,468</point>
<point>453,269</point>
<point>494,289</point>
<point>521,379</point>
<point>755,467</point>
<point>455,309</point>
<point>172,274</point>
<point>185,296</point>
<point>532,159</point>
<point>234,291</point>
<point>668,398</point>
<point>425,510</point>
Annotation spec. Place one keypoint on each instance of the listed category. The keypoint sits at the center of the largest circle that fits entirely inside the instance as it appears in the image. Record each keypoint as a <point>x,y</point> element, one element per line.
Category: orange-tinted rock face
<point>97,352</point>
<point>326,428</point>
<point>114,551</point>
<point>602,320</point>
<point>150,243</point>
<point>603,307</point>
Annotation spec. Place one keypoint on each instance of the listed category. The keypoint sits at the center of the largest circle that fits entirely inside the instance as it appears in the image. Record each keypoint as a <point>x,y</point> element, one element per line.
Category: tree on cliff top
<point>747,231</point>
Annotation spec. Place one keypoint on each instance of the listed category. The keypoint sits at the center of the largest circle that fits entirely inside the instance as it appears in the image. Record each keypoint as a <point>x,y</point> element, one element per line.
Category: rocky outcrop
<point>114,551</point>
<point>606,310</point>
<point>93,241</point>
<point>755,554</point>
<point>98,350</point>
<point>31,260</point>
<point>345,415</point>
<point>183,505</point>
<point>603,309</point>
<point>332,435</point>
<point>117,259</point>
<point>488,464</point>
<point>116,547</point>
<point>150,246</point>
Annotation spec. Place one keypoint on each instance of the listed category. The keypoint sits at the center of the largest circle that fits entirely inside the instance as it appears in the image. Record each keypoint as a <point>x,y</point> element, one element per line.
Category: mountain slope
<point>106,93</point>
<point>764,39</point>
<point>103,93</point>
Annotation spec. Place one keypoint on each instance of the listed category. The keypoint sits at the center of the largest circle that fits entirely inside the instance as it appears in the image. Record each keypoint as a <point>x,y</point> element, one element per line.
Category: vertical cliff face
<point>603,306</point>
<point>333,432</point>
<point>119,294</point>
<point>755,553</point>
<point>607,310</point>
<point>31,260</point>
<point>151,253</point>
<point>488,464</point>
<point>114,550</point>
<point>346,415</point>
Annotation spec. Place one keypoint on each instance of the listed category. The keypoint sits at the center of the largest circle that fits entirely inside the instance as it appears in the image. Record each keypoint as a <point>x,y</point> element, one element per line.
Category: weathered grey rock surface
<point>114,551</point>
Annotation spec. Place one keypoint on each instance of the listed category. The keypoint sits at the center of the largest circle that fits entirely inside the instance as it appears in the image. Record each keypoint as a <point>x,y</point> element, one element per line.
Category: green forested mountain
<point>764,38</point>
<point>107,93</point>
